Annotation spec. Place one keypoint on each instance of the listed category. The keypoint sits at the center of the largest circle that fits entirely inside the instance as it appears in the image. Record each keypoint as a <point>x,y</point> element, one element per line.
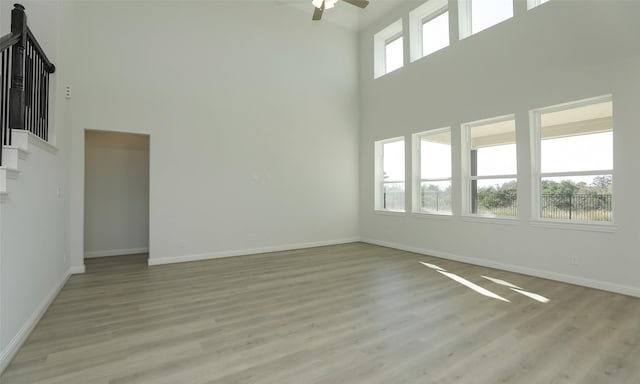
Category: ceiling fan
<point>321,5</point>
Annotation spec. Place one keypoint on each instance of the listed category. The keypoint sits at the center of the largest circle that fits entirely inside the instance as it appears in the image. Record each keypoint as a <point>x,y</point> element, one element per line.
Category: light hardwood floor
<point>351,313</point>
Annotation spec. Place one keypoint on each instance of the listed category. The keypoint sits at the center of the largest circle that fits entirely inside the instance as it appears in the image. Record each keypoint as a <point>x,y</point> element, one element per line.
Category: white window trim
<point>380,41</point>
<point>417,172</point>
<point>379,175</point>
<point>422,14</point>
<point>537,174</point>
<point>437,216</point>
<point>390,212</point>
<point>503,220</point>
<point>533,3</point>
<point>464,19</point>
<point>465,15</point>
<point>591,226</point>
<point>466,168</point>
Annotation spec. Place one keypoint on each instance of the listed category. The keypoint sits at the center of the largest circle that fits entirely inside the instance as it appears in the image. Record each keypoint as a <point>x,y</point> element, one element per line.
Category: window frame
<point>417,171</point>
<point>380,42</point>
<point>388,42</point>
<point>379,204</point>
<point>418,18</point>
<point>536,163</point>
<point>465,19</point>
<point>467,193</point>
<point>534,3</point>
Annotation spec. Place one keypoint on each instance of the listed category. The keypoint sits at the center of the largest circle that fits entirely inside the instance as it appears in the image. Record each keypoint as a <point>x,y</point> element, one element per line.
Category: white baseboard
<point>77,270</point>
<point>249,251</point>
<point>115,252</point>
<point>590,283</point>
<point>7,354</point>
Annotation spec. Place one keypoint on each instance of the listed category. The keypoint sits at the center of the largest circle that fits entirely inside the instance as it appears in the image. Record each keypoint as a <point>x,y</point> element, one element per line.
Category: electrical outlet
<point>573,260</point>
<point>67,92</point>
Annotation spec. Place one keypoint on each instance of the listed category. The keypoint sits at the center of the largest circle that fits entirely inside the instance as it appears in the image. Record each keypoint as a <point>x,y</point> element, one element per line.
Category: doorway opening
<point>116,197</point>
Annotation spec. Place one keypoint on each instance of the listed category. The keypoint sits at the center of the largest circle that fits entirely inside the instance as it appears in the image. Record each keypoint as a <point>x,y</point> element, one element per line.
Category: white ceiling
<point>346,15</point>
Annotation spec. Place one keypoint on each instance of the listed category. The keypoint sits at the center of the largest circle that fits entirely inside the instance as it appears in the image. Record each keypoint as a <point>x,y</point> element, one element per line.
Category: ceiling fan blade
<point>358,3</point>
<point>317,13</point>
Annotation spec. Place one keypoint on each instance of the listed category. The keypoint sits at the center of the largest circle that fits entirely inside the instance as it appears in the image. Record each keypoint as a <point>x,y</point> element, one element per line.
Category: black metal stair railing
<point>5,83</point>
<point>37,71</point>
<point>24,81</point>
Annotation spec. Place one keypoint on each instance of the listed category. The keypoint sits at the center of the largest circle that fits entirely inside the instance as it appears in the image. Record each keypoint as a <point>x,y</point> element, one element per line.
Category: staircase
<point>23,143</point>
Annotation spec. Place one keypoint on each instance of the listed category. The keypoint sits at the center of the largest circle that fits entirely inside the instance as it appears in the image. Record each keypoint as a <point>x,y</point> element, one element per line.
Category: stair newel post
<point>16,95</point>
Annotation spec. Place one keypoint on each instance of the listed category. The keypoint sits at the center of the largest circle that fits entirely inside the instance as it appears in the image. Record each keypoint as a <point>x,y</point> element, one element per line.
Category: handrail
<point>49,67</point>
<point>8,40</point>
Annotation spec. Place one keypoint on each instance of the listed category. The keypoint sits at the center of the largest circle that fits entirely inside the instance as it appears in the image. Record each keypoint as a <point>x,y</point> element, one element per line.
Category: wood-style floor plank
<point>352,313</point>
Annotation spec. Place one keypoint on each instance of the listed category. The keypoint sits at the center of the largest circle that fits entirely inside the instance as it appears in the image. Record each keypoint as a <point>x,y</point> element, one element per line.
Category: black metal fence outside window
<point>435,201</point>
<point>578,207</point>
<point>393,196</point>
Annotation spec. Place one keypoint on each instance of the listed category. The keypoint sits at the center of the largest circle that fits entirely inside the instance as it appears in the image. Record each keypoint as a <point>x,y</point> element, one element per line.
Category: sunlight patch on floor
<point>473,286</point>
<point>520,290</point>
<point>501,282</point>
<point>534,296</point>
<point>432,266</point>
<point>484,291</point>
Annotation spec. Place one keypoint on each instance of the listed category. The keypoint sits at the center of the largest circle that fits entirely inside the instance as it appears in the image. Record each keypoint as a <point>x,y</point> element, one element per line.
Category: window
<point>388,47</point>
<point>429,28</point>
<point>491,167</point>
<point>574,165</point>
<point>390,175</point>
<point>393,54</point>
<point>432,164</point>
<point>535,3</point>
<point>478,15</point>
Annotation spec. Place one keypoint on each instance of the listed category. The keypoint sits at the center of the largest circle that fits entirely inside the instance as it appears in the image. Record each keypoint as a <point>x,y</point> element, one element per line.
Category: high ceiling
<point>345,14</point>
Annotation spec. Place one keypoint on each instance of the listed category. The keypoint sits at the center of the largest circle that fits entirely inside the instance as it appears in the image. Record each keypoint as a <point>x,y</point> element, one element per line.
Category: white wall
<point>34,247</point>
<point>5,19</point>
<point>252,115</point>
<point>116,194</point>
<point>559,52</point>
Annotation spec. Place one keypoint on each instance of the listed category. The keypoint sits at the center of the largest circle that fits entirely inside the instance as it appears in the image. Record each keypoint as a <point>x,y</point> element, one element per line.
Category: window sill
<point>432,215</point>
<point>389,212</point>
<point>577,226</point>
<point>387,73</point>
<point>492,220</point>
